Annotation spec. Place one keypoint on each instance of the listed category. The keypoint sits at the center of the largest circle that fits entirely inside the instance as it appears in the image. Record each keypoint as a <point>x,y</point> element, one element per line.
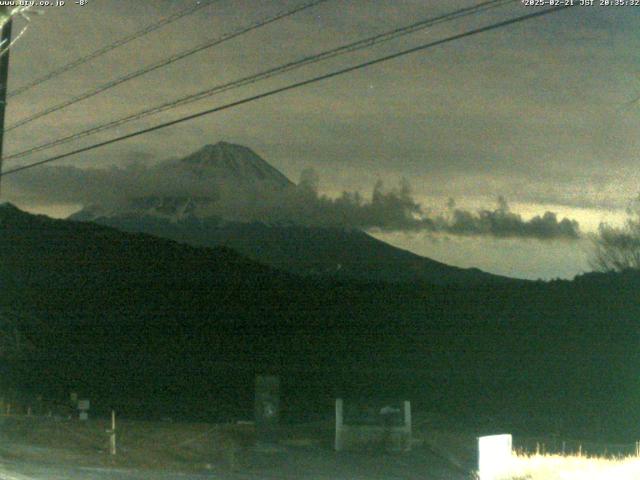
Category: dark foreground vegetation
<point>158,329</point>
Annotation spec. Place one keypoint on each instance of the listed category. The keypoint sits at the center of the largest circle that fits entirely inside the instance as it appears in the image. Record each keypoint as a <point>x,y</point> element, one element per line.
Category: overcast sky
<point>541,113</point>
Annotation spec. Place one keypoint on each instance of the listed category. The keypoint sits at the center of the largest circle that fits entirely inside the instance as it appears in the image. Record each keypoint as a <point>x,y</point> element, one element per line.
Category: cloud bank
<point>387,210</point>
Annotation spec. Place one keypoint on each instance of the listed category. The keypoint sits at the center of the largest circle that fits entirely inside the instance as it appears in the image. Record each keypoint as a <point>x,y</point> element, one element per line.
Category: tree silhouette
<point>618,248</point>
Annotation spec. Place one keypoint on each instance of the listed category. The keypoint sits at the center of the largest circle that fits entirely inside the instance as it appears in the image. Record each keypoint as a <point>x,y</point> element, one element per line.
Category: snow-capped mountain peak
<point>215,180</point>
<point>230,162</point>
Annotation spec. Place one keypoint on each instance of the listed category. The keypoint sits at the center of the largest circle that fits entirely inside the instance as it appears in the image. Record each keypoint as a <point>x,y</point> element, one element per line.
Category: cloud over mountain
<point>234,183</point>
<point>501,222</point>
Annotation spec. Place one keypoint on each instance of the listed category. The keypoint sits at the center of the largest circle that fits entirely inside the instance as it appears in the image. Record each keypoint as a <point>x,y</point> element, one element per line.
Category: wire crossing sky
<point>190,9</point>
<point>291,87</point>
<point>344,49</point>
<point>163,63</point>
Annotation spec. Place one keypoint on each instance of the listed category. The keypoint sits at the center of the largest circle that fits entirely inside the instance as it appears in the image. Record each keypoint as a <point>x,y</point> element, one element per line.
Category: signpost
<point>83,407</point>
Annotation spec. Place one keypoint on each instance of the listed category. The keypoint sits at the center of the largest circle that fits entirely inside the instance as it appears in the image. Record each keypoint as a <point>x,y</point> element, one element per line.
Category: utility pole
<point>5,41</point>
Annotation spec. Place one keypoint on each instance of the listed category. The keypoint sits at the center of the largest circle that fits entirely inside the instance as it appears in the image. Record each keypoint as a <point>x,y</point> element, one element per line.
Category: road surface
<point>302,464</point>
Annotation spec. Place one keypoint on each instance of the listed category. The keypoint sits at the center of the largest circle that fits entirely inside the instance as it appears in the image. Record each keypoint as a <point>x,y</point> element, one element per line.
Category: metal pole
<point>338,445</point>
<point>5,39</point>
<point>112,442</point>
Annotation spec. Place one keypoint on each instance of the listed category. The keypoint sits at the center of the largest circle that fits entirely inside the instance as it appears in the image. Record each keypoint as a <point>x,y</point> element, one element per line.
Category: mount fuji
<point>237,177</point>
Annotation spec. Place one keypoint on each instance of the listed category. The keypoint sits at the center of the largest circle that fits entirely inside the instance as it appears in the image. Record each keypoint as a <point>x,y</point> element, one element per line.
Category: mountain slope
<point>308,251</point>
<point>238,177</point>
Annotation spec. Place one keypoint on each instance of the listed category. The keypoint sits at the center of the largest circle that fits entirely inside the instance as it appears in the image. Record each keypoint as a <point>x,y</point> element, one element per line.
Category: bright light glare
<point>22,11</point>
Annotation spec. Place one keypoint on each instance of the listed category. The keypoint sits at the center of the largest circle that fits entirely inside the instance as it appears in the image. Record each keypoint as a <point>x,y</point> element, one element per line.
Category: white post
<point>112,439</point>
<point>494,456</point>
<point>407,423</point>
<point>339,424</point>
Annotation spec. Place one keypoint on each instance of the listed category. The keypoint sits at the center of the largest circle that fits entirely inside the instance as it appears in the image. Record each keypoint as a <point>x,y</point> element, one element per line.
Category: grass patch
<point>573,467</point>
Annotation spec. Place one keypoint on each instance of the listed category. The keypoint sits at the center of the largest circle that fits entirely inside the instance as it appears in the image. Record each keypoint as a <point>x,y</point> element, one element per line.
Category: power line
<point>335,73</point>
<point>167,61</point>
<point>311,59</point>
<point>112,46</point>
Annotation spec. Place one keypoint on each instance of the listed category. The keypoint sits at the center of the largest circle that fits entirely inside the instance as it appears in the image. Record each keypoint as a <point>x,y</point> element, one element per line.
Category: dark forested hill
<point>59,265</point>
<point>154,328</point>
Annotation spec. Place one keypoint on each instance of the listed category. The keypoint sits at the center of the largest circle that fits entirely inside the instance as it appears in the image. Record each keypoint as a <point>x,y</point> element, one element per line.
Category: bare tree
<point>618,248</point>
